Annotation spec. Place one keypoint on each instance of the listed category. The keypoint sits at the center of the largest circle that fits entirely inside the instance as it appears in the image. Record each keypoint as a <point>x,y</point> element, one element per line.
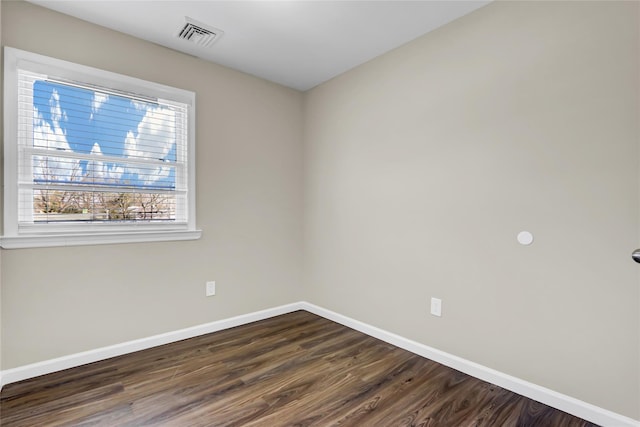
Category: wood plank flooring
<point>292,370</point>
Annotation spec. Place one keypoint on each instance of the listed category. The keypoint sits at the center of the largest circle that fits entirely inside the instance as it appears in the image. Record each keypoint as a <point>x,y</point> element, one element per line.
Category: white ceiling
<point>299,44</point>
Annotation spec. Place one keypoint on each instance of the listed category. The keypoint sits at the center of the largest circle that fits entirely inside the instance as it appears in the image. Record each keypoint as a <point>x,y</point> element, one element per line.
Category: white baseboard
<point>544,395</point>
<point>58,364</point>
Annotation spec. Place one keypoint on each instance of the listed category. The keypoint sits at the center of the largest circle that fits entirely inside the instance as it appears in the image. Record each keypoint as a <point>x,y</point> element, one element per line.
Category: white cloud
<point>56,169</point>
<point>155,135</point>
<point>99,171</point>
<point>51,136</point>
<point>54,105</point>
<point>154,139</point>
<point>97,101</point>
<point>47,136</point>
<point>140,106</point>
<point>131,146</point>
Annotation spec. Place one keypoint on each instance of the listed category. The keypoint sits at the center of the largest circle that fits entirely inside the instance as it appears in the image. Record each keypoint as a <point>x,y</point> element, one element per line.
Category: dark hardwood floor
<point>293,370</point>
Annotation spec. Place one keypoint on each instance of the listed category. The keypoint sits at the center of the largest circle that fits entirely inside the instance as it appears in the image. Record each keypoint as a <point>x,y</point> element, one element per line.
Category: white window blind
<point>94,158</point>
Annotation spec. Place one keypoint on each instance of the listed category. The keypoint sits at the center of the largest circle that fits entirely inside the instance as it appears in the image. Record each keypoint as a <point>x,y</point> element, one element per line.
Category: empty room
<point>316,213</point>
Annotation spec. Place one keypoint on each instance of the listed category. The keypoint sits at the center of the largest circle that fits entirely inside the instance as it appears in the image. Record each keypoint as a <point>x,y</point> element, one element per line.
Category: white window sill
<point>48,241</point>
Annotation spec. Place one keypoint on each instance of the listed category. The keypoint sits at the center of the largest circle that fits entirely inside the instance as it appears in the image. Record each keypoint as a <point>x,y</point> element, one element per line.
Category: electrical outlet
<point>436,306</point>
<point>211,289</point>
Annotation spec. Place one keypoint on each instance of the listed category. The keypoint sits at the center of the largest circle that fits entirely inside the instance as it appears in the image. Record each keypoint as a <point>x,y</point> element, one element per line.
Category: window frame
<point>71,234</point>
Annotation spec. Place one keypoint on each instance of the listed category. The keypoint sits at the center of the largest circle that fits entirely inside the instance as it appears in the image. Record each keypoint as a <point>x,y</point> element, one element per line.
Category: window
<point>94,157</point>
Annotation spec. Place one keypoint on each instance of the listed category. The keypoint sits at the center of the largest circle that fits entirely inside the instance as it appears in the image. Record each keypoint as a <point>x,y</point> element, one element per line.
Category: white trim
<point>21,232</point>
<point>10,161</point>
<point>65,362</point>
<point>544,395</point>
<point>48,241</point>
<point>71,72</point>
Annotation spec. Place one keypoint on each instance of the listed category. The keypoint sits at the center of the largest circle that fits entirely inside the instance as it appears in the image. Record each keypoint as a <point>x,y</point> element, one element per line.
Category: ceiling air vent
<point>198,33</point>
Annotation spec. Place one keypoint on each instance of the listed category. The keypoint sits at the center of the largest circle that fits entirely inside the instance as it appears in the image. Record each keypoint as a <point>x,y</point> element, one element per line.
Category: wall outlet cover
<point>436,307</point>
<point>211,289</point>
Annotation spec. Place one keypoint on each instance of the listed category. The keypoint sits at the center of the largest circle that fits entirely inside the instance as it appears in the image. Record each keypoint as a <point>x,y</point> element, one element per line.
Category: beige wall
<point>419,169</point>
<point>424,164</point>
<point>249,172</point>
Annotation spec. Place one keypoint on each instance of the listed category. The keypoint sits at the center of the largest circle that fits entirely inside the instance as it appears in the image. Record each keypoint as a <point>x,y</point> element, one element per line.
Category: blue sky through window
<point>88,122</point>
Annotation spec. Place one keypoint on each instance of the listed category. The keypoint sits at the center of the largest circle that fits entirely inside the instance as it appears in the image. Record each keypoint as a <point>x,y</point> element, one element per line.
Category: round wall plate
<point>525,238</point>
